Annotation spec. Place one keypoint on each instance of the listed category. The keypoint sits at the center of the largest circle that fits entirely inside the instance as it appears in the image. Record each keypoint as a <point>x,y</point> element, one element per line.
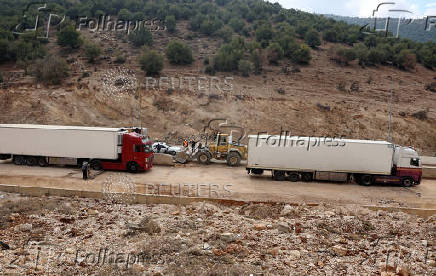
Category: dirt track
<point>220,181</point>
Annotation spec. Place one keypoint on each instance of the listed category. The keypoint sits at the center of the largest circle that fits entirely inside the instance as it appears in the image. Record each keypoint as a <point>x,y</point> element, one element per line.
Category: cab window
<point>222,141</point>
<point>414,162</point>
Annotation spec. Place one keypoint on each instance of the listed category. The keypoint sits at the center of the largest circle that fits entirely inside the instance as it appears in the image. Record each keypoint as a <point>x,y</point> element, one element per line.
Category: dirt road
<point>220,181</point>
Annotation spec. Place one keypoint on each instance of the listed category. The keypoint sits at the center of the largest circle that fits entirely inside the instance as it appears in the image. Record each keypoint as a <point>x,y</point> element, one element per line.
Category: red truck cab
<point>135,154</point>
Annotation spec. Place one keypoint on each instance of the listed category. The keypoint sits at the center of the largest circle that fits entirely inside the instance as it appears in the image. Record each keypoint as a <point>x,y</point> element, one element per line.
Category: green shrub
<point>344,56</point>
<point>141,37</point>
<point>264,33</point>
<point>256,59</point>
<point>210,70</point>
<point>312,39</point>
<point>179,53</point>
<point>330,36</point>
<point>69,37</point>
<point>124,14</point>
<point>170,22</point>
<point>237,24</point>
<point>151,62</point>
<point>120,59</point>
<point>244,66</point>
<point>225,33</point>
<point>274,53</point>
<point>92,51</point>
<point>302,55</point>
<point>375,56</point>
<point>406,60</point>
<point>51,70</point>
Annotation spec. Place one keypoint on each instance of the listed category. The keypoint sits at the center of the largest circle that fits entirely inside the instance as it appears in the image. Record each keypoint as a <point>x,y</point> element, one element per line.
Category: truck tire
<point>294,177</point>
<point>233,159</point>
<point>257,171</point>
<point>18,160</point>
<point>96,165</point>
<point>279,175</point>
<point>31,161</point>
<point>407,182</point>
<point>307,177</point>
<point>132,167</point>
<point>366,180</point>
<point>5,156</point>
<point>203,158</point>
<point>42,162</point>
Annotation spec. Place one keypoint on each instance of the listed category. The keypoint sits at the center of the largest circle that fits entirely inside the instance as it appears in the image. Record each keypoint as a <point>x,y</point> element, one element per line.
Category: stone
<point>283,227</point>
<point>294,254</point>
<point>403,271</point>
<point>228,237</point>
<point>206,246</point>
<point>259,227</point>
<point>287,209</point>
<point>26,227</point>
<point>339,251</point>
<point>92,212</point>
<point>432,263</point>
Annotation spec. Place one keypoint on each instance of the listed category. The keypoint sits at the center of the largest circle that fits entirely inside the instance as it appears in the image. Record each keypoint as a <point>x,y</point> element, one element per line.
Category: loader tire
<point>233,159</point>
<point>203,158</point>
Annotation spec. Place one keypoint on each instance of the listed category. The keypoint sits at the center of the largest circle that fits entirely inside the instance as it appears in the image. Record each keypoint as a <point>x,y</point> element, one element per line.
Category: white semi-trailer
<point>104,148</point>
<point>307,158</point>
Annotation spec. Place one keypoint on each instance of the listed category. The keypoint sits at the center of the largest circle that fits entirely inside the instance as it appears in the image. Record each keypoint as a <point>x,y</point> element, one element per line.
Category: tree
<point>69,37</point>
<point>51,70</point>
<point>170,22</point>
<point>92,51</point>
<point>141,37</point>
<point>179,53</point>
<point>151,62</point>
<point>274,53</point>
<point>244,66</point>
<point>312,38</point>
<point>302,55</point>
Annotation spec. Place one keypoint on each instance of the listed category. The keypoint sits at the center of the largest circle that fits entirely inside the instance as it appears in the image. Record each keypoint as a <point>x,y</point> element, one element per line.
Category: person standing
<point>85,170</point>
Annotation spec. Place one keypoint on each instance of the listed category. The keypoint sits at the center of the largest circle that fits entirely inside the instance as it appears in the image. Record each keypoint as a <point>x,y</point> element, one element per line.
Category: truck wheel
<point>307,177</point>
<point>203,158</point>
<point>279,175</point>
<point>233,159</point>
<point>31,161</point>
<point>294,177</point>
<point>5,156</point>
<point>257,171</point>
<point>96,165</point>
<point>42,162</point>
<point>366,180</point>
<point>18,160</point>
<point>132,167</point>
<point>407,182</point>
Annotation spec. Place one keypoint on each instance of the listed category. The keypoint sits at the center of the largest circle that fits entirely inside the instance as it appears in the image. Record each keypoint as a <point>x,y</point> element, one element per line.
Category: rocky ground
<point>81,236</point>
